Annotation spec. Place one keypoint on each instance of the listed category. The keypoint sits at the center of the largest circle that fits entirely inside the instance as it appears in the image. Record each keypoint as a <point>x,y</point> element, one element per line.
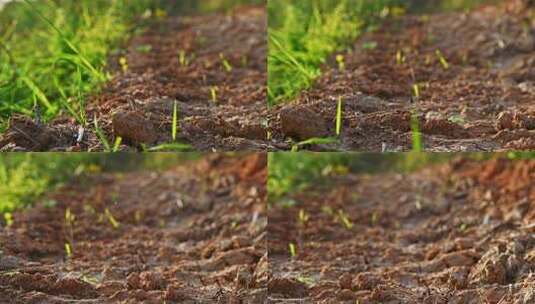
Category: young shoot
<point>100,135</point>
<point>226,63</point>
<point>442,60</point>
<point>303,217</point>
<point>117,144</point>
<point>8,218</point>
<point>339,117</point>
<point>400,58</point>
<point>345,220</point>
<point>182,59</point>
<point>123,62</point>
<point>416,90</point>
<point>417,145</point>
<point>68,250</point>
<point>111,219</point>
<point>341,62</point>
<point>293,250</point>
<point>213,92</point>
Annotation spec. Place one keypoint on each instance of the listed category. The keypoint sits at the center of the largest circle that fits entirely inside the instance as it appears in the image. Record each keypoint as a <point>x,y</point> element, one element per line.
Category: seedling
<point>117,144</point>
<point>213,92</point>
<point>69,223</point>
<point>111,219</point>
<point>225,62</point>
<point>100,135</point>
<point>303,217</point>
<point>339,117</point>
<point>182,59</point>
<point>341,62</point>
<point>416,90</point>
<point>345,220</point>
<point>124,64</point>
<point>68,250</point>
<point>442,60</point>
<point>417,145</point>
<point>8,217</point>
<point>175,121</point>
<point>293,250</point>
<point>400,58</point>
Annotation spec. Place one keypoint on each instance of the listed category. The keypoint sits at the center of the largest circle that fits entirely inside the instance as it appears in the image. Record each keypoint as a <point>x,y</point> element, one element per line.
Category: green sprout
<point>100,135</point>
<point>400,58</point>
<point>111,219</point>
<point>117,144</point>
<point>68,250</point>
<point>226,63</point>
<point>69,223</point>
<point>345,219</point>
<point>182,58</point>
<point>341,62</point>
<point>442,60</point>
<point>124,64</point>
<point>8,217</point>
<point>339,117</point>
<point>416,90</point>
<point>213,92</point>
<point>303,217</point>
<point>417,145</point>
<point>293,250</point>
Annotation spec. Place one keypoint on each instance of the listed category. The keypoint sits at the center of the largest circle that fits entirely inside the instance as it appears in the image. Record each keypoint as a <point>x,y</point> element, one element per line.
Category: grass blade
<point>339,117</point>
<point>100,135</point>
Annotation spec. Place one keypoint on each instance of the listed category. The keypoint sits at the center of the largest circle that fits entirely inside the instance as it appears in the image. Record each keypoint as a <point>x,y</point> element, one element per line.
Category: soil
<point>193,234</point>
<point>179,59</point>
<point>483,101</point>
<point>461,232</point>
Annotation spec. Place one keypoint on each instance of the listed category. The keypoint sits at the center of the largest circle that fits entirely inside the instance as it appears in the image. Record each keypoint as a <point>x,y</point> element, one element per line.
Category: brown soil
<point>194,234</point>
<point>484,100</point>
<point>457,233</point>
<point>138,104</point>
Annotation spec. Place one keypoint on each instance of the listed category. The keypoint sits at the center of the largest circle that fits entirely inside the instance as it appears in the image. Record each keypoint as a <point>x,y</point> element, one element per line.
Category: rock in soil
<point>302,123</point>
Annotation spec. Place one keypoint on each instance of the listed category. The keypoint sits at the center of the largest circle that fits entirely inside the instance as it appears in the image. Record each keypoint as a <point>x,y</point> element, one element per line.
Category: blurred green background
<point>26,176</point>
<point>290,172</point>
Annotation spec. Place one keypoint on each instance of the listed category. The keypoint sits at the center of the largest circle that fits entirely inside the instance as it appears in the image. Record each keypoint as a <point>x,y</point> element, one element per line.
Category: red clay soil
<point>457,233</point>
<point>194,234</point>
<point>483,101</point>
<point>138,104</point>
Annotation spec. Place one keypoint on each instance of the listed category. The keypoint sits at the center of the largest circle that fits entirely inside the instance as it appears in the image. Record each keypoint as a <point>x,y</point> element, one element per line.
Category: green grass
<point>302,34</point>
<point>54,53</point>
